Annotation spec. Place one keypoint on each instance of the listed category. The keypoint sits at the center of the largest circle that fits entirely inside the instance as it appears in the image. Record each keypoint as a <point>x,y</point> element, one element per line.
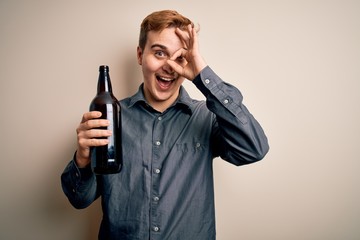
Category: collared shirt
<point>165,189</point>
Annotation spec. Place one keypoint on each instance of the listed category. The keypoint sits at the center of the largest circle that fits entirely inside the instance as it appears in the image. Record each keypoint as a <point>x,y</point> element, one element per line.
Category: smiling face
<point>161,82</point>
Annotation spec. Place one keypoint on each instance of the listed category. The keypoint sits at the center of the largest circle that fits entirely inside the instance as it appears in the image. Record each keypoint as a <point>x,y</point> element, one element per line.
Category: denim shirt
<point>165,189</point>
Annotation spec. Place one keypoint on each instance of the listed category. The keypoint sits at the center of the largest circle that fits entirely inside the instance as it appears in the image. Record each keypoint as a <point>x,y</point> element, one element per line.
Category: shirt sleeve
<point>237,136</point>
<point>79,185</point>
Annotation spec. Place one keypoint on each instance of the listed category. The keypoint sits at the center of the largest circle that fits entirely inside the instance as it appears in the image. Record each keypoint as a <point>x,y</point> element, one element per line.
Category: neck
<point>160,105</point>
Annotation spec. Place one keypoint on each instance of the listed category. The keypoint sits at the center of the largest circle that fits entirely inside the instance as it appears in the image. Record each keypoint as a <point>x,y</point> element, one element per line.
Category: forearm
<point>79,185</point>
<point>237,136</point>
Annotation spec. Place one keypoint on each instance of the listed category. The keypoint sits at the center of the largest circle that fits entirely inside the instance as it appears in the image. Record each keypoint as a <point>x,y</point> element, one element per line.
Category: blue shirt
<point>165,189</point>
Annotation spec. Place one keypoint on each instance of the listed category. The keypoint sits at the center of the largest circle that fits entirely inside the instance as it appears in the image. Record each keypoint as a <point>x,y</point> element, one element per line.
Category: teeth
<point>166,79</point>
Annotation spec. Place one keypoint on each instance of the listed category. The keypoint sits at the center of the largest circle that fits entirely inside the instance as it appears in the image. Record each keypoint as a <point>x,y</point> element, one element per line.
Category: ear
<point>139,53</point>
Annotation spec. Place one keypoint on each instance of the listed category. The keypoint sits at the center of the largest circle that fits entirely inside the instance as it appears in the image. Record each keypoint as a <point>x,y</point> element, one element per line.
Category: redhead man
<point>165,188</point>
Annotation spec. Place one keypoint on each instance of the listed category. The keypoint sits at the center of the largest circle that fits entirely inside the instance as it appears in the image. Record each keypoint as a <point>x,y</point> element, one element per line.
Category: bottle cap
<point>104,68</point>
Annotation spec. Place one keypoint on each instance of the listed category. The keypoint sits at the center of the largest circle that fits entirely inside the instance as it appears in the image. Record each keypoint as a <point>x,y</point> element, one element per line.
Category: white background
<point>297,63</point>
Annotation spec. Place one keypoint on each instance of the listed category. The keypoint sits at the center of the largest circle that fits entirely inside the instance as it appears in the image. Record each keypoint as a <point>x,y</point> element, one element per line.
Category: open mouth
<point>165,82</point>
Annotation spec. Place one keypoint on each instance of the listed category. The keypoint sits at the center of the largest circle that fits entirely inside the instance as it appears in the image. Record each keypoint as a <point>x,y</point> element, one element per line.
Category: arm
<point>79,185</point>
<point>237,136</point>
<point>78,181</point>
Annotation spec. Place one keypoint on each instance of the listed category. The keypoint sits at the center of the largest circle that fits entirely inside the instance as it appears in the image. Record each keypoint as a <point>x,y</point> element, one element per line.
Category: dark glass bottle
<point>107,159</point>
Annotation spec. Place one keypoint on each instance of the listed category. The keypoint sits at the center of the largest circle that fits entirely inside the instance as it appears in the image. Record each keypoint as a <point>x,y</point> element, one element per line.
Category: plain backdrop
<point>297,63</point>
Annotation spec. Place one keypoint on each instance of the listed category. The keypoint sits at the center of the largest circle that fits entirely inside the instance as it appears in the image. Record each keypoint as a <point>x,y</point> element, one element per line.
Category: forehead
<point>166,37</point>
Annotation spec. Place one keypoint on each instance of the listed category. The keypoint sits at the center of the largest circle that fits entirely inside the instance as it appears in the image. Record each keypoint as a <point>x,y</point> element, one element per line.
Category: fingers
<point>177,68</point>
<point>95,133</point>
<point>94,123</point>
<point>184,37</point>
<point>188,36</point>
<point>86,143</point>
<point>90,115</point>
<point>189,68</point>
<point>91,120</point>
<point>193,36</point>
<point>179,54</point>
<point>89,135</point>
<point>88,132</point>
<point>83,150</point>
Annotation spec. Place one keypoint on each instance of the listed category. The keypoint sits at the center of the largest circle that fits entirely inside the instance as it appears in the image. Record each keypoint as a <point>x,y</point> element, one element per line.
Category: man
<point>165,189</point>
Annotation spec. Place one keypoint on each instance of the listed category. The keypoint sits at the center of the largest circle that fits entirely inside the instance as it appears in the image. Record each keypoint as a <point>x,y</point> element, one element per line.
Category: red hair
<point>158,21</point>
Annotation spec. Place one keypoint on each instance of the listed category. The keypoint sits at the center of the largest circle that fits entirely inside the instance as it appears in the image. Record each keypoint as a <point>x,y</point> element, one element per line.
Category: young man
<point>165,189</point>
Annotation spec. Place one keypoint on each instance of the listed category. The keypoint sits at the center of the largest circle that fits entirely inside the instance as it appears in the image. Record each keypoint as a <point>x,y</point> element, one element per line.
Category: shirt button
<point>157,171</point>
<point>159,118</point>
<point>158,143</point>
<point>156,199</point>
<point>156,229</point>
<point>198,145</point>
<point>226,101</point>
<point>73,190</point>
<point>207,81</point>
<point>77,174</point>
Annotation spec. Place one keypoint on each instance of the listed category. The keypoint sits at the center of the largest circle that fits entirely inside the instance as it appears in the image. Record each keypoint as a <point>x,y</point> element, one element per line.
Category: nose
<point>167,68</point>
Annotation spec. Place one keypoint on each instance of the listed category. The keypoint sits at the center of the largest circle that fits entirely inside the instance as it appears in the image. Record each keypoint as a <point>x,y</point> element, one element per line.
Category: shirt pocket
<point>193,147</point>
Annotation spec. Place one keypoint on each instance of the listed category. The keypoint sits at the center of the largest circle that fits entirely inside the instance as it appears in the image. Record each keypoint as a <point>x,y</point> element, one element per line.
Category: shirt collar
<point>184,101</point>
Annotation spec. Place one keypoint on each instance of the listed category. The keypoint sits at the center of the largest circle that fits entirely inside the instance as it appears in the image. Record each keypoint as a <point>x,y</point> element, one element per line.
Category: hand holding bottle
<point>88,134</point>
<point>105,159</point>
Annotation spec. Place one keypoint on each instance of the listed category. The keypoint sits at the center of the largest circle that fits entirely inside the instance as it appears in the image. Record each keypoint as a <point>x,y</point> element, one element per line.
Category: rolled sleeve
<point>238,137</point>
<point>79,185</point>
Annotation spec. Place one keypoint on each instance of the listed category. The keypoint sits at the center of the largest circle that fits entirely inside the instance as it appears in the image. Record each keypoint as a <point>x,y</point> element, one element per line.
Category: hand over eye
<point>194,62</point>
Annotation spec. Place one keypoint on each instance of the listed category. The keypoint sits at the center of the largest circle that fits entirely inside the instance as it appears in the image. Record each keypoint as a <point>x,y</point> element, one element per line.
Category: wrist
<point>80,161</point>
<point>199,66</point>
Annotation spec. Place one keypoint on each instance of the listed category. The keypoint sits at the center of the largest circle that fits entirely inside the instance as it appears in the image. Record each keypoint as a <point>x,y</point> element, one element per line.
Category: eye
<point>180,59</point>
<point>160,54</point>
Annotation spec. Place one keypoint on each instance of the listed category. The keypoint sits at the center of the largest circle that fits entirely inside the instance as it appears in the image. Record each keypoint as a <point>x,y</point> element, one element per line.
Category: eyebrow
<point>159,45</point>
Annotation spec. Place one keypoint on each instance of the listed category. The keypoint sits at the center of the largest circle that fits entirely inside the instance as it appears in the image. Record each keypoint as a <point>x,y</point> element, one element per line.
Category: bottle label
<point>111,150</point>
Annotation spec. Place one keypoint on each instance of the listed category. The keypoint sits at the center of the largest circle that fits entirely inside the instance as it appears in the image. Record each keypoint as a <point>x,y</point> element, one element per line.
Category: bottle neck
<point>104,83</point>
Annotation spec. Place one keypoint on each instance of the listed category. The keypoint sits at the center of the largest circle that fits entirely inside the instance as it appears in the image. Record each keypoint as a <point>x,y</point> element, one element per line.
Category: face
<point>161,82</point>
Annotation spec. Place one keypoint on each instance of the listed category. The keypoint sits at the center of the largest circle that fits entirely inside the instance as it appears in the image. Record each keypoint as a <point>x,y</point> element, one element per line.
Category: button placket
<point>156,199</point>
<point>156,169</point>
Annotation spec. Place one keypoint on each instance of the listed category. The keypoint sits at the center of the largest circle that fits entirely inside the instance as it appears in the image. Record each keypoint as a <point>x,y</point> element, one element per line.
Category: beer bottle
<point>107,159</point>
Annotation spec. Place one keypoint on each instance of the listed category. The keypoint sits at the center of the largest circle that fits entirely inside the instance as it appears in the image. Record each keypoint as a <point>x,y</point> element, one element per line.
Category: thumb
<point>177,68</point>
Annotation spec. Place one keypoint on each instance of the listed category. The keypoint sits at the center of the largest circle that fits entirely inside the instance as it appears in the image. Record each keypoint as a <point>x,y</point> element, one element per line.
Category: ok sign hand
<point>195,62</point>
